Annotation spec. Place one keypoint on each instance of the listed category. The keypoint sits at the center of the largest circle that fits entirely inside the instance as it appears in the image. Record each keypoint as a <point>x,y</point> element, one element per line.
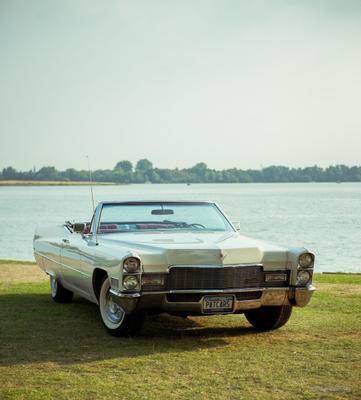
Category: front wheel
<point>58,292</point>
<point>114,318</point>
<point>269,317</point>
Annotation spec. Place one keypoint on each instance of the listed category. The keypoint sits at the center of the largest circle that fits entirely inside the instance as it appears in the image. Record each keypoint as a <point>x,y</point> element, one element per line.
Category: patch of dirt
<point>18,273</point>
<point>339,287</point>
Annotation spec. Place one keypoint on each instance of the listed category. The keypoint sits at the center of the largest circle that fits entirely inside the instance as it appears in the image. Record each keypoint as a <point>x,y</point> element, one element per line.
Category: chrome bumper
<point>157,301</point>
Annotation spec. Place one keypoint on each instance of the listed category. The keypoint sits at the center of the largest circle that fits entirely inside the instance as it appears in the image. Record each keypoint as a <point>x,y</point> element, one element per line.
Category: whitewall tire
<point>114,318</point>
<point>58,292</point>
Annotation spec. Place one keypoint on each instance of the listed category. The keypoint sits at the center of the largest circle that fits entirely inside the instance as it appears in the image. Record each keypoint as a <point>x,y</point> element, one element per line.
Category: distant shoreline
<point>144,172</point>
<point>54,183</point>
<point>86,183</point>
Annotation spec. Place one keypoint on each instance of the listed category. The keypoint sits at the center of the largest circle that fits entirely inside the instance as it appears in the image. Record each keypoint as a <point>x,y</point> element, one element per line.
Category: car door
<point>76,271</point>
<point>49,246</point>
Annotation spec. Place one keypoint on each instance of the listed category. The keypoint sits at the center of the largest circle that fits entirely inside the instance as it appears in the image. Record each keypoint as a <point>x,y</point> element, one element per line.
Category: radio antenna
<point>91,184</point>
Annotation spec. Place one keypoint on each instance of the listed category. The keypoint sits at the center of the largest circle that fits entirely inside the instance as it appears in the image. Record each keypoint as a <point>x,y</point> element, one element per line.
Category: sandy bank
<point>17,273</point>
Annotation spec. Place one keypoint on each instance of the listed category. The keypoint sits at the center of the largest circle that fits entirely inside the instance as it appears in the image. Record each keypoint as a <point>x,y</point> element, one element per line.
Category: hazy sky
<point>231,83</point>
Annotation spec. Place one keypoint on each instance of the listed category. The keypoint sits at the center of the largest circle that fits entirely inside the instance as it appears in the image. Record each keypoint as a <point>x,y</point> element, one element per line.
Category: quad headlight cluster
<point>131,265</point>
<point>306,260</point>
<point>305,268</point>
<point>131,273</point>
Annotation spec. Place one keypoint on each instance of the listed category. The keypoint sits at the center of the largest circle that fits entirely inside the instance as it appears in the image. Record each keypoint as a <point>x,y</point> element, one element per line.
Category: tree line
<point>144,172</point>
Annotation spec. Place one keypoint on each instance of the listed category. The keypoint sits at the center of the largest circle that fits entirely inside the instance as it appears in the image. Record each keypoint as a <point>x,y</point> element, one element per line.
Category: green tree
<point>123,172</point>
<point>276,173</point>
<point>125,166</point>
<point>139,177</point>
<point>144,165</point>
<point>199,171</point>
<point>48,174</point>
<point>9,173</point>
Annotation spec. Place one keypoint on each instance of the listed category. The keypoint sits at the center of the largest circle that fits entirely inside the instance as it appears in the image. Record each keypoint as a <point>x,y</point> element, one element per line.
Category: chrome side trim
<point>76,270</point>
<point>48,258</point>
<point>61,264</point>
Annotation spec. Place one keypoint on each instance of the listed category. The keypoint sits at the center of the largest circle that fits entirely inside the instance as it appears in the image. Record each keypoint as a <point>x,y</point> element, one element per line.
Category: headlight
<point>303,277</point>
<point>131,265</point>
<point>306,260</point>
<point>131,282</point>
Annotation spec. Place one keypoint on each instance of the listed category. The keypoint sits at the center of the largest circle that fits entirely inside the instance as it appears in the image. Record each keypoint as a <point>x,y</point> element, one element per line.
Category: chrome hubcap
<point>113,311</point>
<point>53,285</point>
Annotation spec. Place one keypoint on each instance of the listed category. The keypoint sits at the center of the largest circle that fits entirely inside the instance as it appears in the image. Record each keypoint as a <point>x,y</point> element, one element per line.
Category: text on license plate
<point>213,304</point>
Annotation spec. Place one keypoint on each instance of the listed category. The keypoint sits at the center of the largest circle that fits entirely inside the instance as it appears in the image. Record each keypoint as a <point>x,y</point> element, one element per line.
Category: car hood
<point>197,248</point>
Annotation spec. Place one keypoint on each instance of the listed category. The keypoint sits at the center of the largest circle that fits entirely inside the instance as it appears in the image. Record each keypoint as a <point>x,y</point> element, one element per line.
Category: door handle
<point>66,241</point>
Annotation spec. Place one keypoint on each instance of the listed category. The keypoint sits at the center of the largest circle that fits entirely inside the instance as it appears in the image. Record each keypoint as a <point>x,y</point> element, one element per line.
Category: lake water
<point>323,217</point>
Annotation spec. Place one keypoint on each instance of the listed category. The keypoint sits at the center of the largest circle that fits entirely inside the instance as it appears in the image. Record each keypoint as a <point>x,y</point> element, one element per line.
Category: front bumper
<point>159,302</point>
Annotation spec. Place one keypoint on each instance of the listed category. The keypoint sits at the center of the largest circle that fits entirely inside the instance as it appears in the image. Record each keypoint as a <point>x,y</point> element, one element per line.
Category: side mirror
<point>78,228</point>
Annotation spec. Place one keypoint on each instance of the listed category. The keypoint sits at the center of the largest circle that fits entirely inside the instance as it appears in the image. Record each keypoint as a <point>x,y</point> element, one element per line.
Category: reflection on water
<point>325,218</point>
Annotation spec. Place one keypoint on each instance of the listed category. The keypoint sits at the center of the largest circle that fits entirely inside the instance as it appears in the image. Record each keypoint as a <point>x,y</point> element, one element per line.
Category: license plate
<point>217,304</point>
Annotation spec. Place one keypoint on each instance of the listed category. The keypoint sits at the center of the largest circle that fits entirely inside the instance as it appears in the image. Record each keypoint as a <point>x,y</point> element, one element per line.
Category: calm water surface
<point>325,218</point>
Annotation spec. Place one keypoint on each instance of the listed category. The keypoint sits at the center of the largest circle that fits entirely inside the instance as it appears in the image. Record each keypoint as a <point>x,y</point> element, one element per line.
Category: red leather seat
<point>108,227</point>
<point>154,226</point>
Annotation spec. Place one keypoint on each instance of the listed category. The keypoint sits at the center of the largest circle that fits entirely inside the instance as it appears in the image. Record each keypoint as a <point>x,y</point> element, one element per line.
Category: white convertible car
<point>179,257</point>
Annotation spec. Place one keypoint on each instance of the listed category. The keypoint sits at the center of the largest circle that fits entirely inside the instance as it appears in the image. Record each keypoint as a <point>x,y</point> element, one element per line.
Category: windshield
<point>162,216</point>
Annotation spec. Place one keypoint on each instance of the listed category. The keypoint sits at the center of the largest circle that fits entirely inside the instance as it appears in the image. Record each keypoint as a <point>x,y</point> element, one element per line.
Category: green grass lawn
<point>61,351</point>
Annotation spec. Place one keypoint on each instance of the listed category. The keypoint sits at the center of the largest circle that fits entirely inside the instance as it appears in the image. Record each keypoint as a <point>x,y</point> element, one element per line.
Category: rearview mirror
<point>78,227</point>
<point>163,211</point>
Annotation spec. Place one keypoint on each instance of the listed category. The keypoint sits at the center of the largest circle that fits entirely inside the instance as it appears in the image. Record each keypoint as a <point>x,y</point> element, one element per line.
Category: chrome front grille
<point>189,278</point>
<point>196,297</point>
